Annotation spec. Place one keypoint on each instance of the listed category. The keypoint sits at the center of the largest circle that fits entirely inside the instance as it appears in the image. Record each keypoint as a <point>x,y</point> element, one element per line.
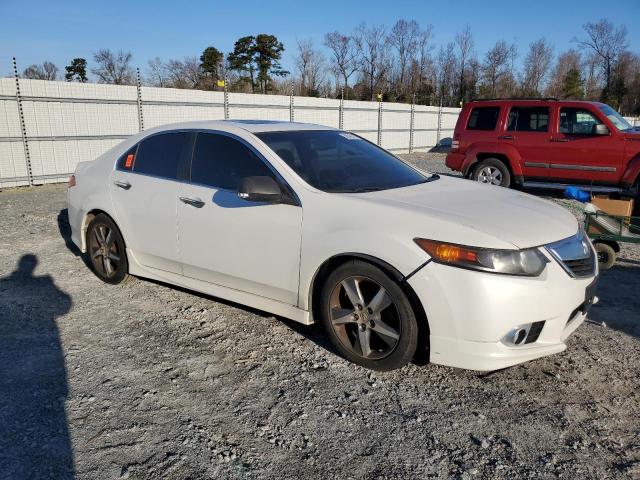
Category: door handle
<point>123,185</point>
<point>560,140</point>
<point>505,137</point>
<point>194,202</point>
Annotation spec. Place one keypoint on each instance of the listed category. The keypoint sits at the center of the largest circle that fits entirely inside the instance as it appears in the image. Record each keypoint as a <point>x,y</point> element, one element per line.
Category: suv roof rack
<point>543,99</point>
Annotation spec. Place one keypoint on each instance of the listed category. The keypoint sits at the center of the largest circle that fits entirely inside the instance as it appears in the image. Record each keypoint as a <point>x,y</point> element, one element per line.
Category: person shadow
<point>34,433</point>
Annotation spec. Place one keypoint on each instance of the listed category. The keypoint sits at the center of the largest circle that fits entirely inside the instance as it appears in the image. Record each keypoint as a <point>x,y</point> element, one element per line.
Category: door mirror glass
<point>600,129</point>
<point>260,189</point>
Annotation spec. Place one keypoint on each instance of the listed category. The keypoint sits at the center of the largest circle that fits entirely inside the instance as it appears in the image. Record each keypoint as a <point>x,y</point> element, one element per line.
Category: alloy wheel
<point>364,317</point>
<point>104,251</point>
<point>490,175</point>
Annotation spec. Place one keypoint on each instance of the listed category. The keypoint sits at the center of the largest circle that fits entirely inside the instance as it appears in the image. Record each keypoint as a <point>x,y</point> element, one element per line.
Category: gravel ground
<point>144,380</point>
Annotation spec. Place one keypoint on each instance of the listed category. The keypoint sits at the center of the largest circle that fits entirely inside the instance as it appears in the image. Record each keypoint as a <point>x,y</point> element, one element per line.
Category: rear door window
<point>165,155</point>
<point>483,118</point>
<point>528,119</point>
<point>222,162</point>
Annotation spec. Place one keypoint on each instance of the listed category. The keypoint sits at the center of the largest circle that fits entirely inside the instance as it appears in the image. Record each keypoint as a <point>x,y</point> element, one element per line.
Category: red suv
<point>546,143</point>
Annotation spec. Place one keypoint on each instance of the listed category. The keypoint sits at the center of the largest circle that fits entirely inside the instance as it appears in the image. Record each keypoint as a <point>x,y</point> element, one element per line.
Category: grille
<point>582,267</point>
<point>575,254</point>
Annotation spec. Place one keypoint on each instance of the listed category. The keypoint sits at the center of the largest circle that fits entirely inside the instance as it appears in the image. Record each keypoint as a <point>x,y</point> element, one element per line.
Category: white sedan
<point>317,224</point>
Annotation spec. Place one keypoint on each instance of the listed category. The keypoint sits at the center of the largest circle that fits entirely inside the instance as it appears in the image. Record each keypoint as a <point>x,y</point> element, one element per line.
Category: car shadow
<point>65,232</point>
<point>619,303</point>
<point>34,434</point>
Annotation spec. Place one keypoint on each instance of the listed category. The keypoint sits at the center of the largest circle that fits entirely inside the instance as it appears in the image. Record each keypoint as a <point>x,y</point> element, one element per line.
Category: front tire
<point>106,249</point>
<point>368,317</point>
<point>492,171</point>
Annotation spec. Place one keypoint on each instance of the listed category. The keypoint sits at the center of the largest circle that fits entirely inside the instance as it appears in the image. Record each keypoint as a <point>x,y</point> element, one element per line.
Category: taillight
<point>72,181</point>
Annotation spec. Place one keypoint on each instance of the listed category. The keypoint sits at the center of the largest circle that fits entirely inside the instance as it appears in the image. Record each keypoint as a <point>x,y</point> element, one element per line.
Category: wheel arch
<point>507,154</point>
<point>335,261</point>
<point>89,216</point>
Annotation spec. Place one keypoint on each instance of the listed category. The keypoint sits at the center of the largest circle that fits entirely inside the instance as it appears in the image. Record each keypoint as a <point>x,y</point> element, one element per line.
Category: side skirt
<point>237,296</point>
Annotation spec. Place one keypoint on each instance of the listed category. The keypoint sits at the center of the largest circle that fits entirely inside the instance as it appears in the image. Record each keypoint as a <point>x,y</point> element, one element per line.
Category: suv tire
<point>493,172</point>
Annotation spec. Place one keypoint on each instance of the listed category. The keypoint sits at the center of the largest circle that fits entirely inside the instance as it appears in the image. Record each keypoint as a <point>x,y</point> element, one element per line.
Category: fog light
<point>523,334</point>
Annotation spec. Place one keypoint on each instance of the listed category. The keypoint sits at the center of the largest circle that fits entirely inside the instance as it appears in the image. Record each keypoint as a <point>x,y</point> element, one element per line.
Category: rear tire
<point>492,171</point>
<point>106,250</point>
<point>368,317</point>
<point>606,255</point>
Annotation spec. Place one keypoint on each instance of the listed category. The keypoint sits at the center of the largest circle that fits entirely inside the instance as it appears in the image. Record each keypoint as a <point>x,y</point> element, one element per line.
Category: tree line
<point>397,64</point>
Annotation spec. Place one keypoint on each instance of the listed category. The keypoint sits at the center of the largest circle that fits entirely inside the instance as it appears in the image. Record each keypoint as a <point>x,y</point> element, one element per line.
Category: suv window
<point>483,118</point>
<point>162,155</point>
<point>528,119</point>
<point>222,162</point>
<point>578,121</point>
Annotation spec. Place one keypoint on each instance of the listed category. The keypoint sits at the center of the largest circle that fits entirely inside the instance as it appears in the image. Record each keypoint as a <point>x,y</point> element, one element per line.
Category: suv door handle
<point>123,185</point>
<point>560,140</point>
<point>194,202</point>
<point>505,137</point>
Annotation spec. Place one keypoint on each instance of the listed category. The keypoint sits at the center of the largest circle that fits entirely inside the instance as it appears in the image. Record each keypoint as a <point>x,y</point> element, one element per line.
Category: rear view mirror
<point>600,129</point>
<point>260,189</point>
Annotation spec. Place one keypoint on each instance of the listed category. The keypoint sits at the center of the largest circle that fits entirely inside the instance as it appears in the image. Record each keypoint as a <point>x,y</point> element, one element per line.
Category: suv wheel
<point>493,172</point>
<point>368,317</point>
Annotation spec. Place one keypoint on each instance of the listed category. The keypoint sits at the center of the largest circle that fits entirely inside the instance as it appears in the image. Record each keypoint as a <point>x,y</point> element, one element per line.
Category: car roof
<point>253,126</point>
<point>531,101</point>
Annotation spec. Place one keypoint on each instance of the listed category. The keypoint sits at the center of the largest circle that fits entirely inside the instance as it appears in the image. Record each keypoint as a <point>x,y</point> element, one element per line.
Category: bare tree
<point>568,63</point>
<point>536,67</point>
<point>310,63</point>
<point>343,56</point>
<point>113,67</point>
<point>185,73</point>
<point>446,73</point>
<point>46,71</point>
<point>497,69</point>
<point>404,37</point>
<point>464,42</point>
<point>607,42</point>
<point>157,73</point>
<point>371,45</point>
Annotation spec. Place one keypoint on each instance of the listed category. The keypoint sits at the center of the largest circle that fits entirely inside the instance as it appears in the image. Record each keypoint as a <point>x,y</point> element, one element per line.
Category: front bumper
<point>469,313</point>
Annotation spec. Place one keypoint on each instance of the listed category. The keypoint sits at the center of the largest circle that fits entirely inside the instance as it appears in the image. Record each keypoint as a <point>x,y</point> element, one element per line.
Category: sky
<point>38,30</point>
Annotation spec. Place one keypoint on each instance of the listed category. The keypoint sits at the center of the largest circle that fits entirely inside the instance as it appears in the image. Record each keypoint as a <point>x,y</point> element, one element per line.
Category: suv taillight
<point>72,181</point>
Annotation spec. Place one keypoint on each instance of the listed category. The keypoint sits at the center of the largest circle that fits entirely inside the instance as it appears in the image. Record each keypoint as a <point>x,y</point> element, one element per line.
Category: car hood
<point>519,219</point>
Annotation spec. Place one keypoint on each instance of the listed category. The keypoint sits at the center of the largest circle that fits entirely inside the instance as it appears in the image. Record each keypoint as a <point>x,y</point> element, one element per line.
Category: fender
<point>509,151</point>
<point>631,174</point>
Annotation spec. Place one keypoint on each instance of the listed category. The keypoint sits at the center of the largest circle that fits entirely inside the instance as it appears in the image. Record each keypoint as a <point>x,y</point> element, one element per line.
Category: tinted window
<point>336,161</point>
<point>161,155</point>
<point>578,121</point>
<point>222,162</point>
<point>529,119</point>
<point>483,118</point>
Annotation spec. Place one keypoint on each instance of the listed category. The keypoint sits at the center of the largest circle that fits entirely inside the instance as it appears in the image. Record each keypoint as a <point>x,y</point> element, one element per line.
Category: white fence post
<point>439,128</point>
<point>23,126</point>
<point>291,116</point>
<point>379,119</point>
<point>139,88</point>
<point>341,110</point>
<point>411,122</point>
<point>226,99</point>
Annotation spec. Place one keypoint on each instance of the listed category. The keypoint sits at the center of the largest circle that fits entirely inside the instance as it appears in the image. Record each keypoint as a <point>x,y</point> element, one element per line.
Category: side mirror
<point>260,189</point>
<point>600,129</point>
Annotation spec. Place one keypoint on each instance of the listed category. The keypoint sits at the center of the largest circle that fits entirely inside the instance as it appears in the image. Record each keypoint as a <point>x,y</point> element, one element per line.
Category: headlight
<point>529,262</point>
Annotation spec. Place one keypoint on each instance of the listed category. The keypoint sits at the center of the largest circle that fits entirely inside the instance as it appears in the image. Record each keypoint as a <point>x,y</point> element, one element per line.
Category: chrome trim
<point>567,166</point>
<point>576,247</point>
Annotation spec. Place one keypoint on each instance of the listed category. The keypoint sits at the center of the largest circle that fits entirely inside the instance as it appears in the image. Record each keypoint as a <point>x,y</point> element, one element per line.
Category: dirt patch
<point>145,380</point>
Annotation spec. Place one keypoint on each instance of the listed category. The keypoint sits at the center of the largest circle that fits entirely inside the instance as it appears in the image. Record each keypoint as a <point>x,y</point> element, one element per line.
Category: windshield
<point>336,161</point>
<point>618,120</point>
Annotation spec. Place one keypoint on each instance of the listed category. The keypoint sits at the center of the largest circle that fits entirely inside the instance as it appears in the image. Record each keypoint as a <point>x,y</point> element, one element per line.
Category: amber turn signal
<point>446,252</point>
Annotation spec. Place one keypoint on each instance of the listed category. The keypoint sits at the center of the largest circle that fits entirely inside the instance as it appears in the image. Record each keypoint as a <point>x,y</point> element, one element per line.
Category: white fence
<point>46,128</point>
